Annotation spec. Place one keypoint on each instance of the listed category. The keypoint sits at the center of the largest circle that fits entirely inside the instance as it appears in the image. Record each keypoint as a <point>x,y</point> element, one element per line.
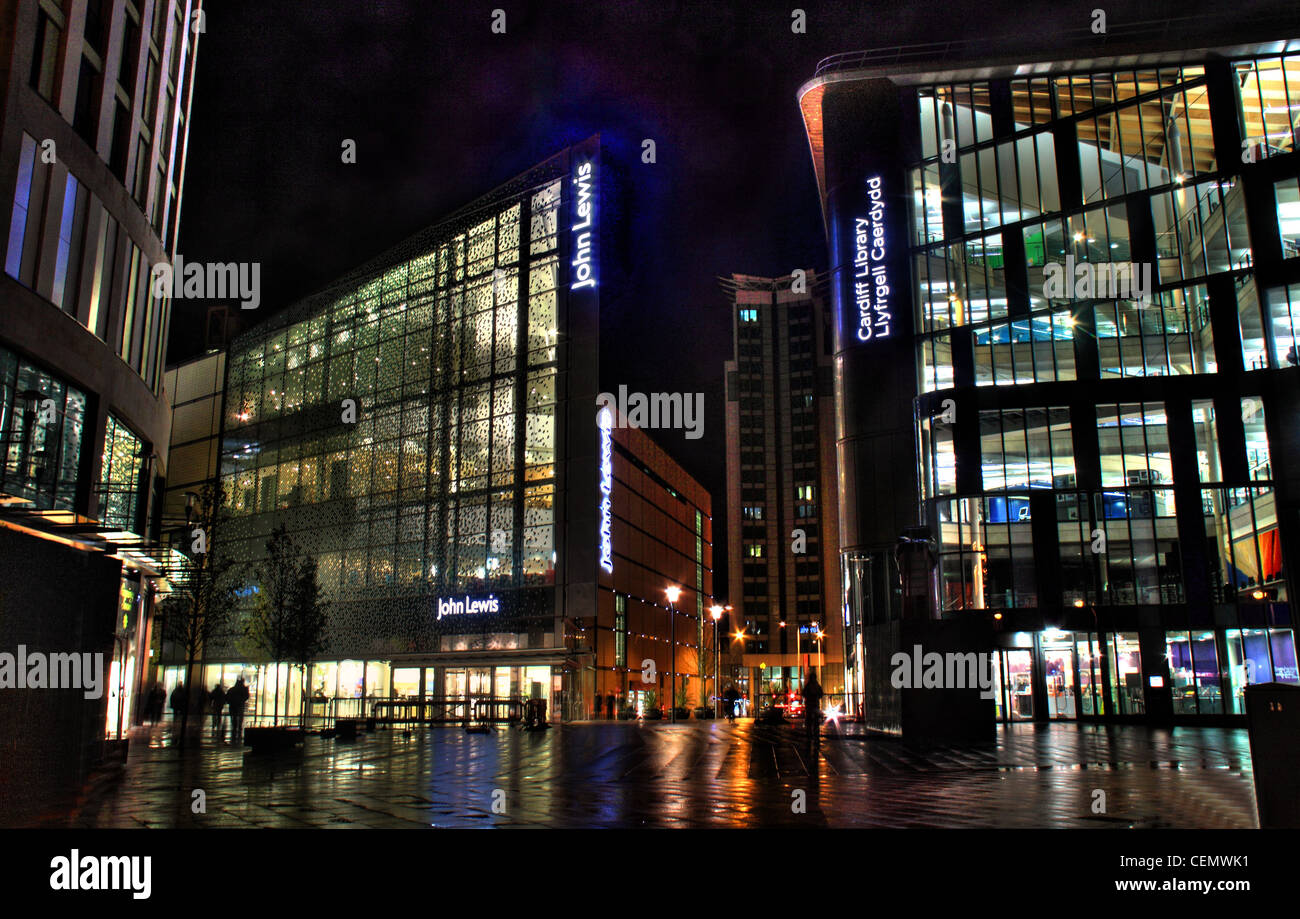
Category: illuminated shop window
<point>1195,681</point>
<point>1258,656</point>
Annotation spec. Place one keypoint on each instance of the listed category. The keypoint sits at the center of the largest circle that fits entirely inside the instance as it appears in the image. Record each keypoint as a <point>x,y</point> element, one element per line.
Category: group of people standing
<point>213,703</point>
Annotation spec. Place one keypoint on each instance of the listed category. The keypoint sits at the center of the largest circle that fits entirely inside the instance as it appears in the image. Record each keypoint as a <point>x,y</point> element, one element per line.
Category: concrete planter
<point>273,739</point>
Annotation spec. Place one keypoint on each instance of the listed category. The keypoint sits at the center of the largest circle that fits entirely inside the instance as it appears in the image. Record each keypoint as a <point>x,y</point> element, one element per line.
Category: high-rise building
<point>428,430</point>
<point>782,515</point>
<point>1067,304</point>
<point>92,161</point>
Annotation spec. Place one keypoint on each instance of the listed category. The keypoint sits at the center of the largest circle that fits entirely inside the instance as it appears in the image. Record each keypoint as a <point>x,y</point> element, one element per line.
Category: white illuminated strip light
<point>584,182</point>
<point>452,606</point>
<point>870,277</point>
<point>605,421</point>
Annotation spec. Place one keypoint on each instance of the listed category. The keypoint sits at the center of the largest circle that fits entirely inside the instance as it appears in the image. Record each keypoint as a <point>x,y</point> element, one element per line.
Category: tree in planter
<point>683,692</point>
<point>307,624</point>
<point>287,623</point>
<point>199,610</point>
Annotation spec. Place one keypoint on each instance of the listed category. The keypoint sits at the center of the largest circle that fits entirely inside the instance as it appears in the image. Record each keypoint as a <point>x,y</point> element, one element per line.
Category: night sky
<point>443,110</point>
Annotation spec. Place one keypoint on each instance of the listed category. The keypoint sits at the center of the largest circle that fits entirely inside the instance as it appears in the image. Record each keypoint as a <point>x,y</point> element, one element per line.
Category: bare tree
<point>199,609</point>
<point>288,620</point>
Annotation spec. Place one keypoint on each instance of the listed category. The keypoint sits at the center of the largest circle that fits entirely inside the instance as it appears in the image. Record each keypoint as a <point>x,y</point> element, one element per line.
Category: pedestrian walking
<point>812,709</point>
<point>152,704</point>
<point>609,706</point>
<point>178,700</point>
<point>218,703</point>
<point>235,700</point>
<point>730,697</point>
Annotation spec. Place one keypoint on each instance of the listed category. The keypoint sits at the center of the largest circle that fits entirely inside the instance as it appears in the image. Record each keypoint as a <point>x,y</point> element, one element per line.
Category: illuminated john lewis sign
<point>464,606</point>
<point>605,421</point>
<point>584,185</point>
<point>870,275</point>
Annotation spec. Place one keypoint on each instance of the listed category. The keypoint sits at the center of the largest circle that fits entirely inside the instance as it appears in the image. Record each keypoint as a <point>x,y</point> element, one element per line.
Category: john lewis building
<point>427,429</point>
<point>1100,486</point>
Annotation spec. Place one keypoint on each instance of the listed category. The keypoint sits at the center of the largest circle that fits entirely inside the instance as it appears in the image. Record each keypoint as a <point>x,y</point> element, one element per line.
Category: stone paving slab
<point>625,774</point>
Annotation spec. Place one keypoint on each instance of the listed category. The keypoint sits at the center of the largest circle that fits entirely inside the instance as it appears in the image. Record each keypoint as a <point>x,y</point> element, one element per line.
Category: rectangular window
<point>1194,673</point>
<point>104,268</point>
<point>1284,322</point>
<point>1287,194</point>
<point>72,230</point>
<point>1268,93</point>
<point>85,118</point>
<point>126,64</point>
<point>1207,441</point>
<point>620,630</point>
<point>45,59</point>
<point>1134,445</point>
<point>1257,451</point>
<point>119,477</point>
<point>21,211</point>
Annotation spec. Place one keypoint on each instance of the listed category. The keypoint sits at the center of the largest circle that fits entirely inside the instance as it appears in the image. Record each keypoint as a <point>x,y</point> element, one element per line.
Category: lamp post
<point>740,637</point>
<point>673,593</point>
<point>716,611</point>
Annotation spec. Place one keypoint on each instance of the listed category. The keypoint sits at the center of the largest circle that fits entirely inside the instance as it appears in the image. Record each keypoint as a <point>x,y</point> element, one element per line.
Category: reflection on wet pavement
<point>693,775</point>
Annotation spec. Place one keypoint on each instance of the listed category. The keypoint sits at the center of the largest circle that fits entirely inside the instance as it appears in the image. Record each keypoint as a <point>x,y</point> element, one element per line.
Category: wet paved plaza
<point>623,774</point>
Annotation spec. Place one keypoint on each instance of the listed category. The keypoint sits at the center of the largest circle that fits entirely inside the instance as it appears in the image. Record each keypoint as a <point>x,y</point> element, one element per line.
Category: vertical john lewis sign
<point>583,264</point>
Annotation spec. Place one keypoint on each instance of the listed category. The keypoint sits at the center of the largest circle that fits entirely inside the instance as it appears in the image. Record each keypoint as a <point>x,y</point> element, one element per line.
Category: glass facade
<point>41,428</point>
<point>407,423</point>
<point>1089,321</point>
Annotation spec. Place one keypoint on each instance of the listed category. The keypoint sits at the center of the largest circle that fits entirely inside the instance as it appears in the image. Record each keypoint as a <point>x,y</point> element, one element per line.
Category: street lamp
<point>716,611</point>
<point>674,593</point>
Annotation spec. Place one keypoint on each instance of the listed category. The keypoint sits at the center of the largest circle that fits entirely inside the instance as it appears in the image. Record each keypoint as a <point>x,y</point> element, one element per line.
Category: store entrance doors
<point>1058,659</point>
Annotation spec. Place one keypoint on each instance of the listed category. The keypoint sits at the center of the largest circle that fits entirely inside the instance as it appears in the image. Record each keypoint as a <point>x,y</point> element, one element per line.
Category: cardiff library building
<point>1066,319</point>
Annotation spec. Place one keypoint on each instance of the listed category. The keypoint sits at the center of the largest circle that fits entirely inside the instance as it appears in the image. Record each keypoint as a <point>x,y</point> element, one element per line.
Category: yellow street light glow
<point>674,593</point>
<point>1258,595</point>
<point>716,611</point>
<point>1078,604</point>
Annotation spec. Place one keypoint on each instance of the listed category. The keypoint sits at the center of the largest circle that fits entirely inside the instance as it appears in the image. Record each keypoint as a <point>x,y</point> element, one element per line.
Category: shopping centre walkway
<point>624,774</point>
